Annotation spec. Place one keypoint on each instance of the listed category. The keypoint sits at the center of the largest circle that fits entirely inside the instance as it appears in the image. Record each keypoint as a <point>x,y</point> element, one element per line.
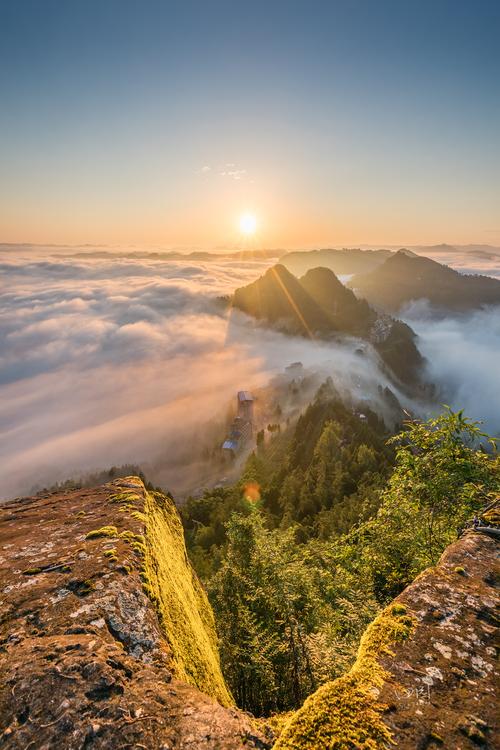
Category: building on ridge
<point>241,430</point>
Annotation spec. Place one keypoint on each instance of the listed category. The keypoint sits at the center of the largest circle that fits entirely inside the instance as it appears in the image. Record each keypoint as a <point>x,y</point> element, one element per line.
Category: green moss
<point>460,570</point>
<point>81,588</point>
<point>182,604</point>
<point>31,571</point>
<point>492,516</point>
<point>172,586</point>
<point>399,609</point>
<point>138,516</point>
<point>111,555</point>
<point>344,714</point>
<point>129,536</point>
<point>124,497</point>
<point>80,514</point>
<point>139,549</point>
<point>474,733</point>
<point>103,531</point>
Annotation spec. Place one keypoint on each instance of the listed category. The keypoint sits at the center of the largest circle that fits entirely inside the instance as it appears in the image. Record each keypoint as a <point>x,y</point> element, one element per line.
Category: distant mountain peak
<point>318,305</point>
<point>404,277</point>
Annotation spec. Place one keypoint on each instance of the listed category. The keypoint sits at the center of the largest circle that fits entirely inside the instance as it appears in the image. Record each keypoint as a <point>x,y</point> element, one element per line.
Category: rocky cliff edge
<point>107,639</point>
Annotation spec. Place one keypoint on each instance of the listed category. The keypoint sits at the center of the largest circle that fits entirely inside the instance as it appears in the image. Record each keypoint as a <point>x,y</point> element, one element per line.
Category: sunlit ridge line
<point>293,304</point>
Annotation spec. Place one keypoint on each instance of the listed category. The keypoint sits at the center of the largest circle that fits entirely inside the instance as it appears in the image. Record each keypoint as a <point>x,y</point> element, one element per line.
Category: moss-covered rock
<point>110,531</point>
<point>426,672</point>
<point>107,656</point>
<point>345,713</point>
<point>182,604</point>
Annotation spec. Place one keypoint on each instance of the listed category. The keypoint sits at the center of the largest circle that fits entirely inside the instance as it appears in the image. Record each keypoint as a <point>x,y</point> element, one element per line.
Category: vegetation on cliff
<point>85,660</point>
<point>289,617</point>
<point>345,713</point>
<point>295,577</point>
<point>182,605</point>
<point>442,476</point>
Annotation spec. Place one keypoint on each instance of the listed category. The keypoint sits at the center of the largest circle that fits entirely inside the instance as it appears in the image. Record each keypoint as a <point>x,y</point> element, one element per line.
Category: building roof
<point>245,396</point>
<point>230,445</point>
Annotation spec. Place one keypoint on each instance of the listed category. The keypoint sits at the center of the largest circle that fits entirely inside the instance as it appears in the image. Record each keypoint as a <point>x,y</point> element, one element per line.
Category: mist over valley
<point>123,359</point>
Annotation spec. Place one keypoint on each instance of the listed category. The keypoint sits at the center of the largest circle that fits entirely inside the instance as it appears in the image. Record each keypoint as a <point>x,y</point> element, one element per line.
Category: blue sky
<point>335,122</point>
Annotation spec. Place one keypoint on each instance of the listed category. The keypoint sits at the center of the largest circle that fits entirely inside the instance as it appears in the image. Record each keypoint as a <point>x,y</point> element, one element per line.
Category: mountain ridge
<point>402,279</point>
<point>318,305</point>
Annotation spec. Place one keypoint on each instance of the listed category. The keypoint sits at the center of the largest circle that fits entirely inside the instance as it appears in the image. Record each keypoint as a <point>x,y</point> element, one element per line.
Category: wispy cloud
<point>230,170</point>
<point>234,174</point>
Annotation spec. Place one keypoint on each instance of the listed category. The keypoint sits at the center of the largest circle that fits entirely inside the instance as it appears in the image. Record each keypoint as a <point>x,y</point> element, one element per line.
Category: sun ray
<point>293,304</point>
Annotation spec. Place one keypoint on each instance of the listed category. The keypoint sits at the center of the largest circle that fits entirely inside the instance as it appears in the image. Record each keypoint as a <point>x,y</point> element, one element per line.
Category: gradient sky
<point>339,122</point>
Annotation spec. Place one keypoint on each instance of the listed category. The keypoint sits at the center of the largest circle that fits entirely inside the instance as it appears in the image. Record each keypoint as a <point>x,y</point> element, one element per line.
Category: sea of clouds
<point>107,359</point>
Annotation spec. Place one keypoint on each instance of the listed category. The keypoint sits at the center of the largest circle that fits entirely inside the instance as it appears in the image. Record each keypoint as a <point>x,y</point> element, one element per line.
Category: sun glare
<point>248,224</point>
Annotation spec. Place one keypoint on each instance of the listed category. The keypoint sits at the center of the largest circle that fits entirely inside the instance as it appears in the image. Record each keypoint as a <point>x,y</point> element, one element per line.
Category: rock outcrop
<point>107,639</point>
<point>425,676</point>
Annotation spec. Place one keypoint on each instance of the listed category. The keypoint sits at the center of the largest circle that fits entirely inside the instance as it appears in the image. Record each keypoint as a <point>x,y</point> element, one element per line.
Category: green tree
<point>287,617</point>
<point>443,475</point>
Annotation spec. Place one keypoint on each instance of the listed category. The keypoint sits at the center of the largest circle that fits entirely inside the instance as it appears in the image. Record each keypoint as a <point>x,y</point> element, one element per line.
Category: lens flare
<point>251,492</point>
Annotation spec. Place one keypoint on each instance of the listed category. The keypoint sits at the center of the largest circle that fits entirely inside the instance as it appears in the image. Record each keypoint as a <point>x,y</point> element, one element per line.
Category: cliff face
<point>425,674</point>
<point>107,639</point>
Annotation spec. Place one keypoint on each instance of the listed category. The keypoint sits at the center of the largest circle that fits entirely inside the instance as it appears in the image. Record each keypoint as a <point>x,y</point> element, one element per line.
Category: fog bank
<point>107,360</point>
<point>463,355</point>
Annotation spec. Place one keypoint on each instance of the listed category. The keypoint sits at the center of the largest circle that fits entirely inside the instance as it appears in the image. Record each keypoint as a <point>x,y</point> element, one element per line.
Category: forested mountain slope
<point>107,638</point>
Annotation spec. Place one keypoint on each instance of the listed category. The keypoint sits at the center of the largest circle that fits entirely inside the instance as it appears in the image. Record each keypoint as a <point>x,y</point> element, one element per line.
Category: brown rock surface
<point>84,662</point>
<point>444,679</point>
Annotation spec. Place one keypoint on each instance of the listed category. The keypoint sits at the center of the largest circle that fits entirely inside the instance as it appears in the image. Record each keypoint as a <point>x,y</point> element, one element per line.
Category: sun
<point>248,224</point>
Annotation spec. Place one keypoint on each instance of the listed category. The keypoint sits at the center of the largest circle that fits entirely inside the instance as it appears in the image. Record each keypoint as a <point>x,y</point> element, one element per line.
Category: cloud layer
<point>463,355</point>
<point>107,360</point>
